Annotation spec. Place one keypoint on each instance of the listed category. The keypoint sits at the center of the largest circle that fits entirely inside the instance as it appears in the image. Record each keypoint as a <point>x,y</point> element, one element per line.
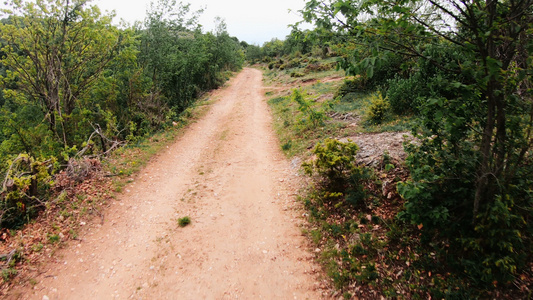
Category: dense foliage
<point>342,178</point>
<point>75,84</point>
<point>298,42</point>
<point>464,69</point>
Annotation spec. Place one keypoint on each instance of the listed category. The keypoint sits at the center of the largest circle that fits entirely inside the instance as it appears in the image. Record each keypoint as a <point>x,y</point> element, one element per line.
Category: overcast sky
<point>252,21</point>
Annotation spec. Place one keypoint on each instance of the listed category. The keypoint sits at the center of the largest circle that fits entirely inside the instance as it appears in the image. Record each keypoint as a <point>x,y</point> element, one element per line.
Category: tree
<point>70,77</point>
<point>55,51</point>
<point>273,48</point>
<point>181,61</point>
<point>471,172</point>
<point>253,53</point>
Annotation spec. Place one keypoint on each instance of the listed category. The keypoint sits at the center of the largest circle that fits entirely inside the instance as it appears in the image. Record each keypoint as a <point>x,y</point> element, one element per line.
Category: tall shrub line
<point>73,80</point>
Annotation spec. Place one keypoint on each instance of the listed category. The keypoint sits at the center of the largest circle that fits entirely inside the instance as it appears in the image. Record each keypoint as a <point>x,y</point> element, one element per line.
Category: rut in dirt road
<point>227,174</point>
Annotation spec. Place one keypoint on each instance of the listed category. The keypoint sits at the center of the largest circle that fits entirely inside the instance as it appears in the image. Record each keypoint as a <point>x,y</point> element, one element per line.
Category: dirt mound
<point>372,146</point>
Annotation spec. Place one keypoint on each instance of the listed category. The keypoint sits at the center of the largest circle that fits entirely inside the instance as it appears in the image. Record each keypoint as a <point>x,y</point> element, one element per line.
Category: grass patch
<point>346,111</point>
<point>295,134</point>
<point>392,123</point>
<point>182,222</point>
<point>351,102</point>
<point>53,238</point>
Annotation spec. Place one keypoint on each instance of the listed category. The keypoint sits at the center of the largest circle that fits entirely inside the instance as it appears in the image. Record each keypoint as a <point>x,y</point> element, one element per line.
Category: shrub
<point>182,222</point>
<point>297,74</point>
<point>350,85</point>
<point>318,67</point>
<point>335,162</point>
<point>25,186</point>
<point>402,94</point>
<point>313,116</point>
<point>490,245</point>
<point>374,73</point>
<point>340,175</point>
<point>294,63</point>
<point>378,108</point>
<point>389,68</point>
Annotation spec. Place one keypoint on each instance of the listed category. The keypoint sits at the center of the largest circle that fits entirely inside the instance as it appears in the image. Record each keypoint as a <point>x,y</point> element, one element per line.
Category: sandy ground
<point>228,175</point>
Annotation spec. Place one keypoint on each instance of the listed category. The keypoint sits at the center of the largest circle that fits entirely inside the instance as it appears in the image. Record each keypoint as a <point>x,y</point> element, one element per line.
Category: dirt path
<point>228,175</point>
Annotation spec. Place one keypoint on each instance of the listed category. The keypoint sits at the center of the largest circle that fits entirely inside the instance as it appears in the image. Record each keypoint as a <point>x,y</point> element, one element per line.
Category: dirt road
<point>227,174</point>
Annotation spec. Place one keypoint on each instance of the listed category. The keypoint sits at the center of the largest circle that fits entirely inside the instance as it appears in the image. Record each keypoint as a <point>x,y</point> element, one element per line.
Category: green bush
<point>402,94</point>
<point>294,63</point>
<point>378,108</point>
<point>335,161</point>
<point>313,116</point>
<point>297,74</point>
<point>24,190</point>
<point>373,73</point>
<point>425,81</point>
<point>490,245</point>
<point>350,85</point>
<point>336,166</point>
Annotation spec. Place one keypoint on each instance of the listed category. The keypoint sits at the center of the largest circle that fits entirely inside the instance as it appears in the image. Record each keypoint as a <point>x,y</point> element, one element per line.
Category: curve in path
<point>227,174</point>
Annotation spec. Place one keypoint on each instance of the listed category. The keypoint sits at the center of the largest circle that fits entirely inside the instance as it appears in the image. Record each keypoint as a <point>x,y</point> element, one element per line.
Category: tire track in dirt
<point>227,173</point>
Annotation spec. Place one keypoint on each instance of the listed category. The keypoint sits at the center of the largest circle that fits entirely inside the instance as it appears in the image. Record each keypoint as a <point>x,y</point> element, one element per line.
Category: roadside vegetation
<point>84,104</point>
<point>450,218</point>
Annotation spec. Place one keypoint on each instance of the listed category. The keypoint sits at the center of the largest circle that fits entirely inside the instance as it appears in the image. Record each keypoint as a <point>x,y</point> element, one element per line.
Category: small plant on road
<point>182,222</point>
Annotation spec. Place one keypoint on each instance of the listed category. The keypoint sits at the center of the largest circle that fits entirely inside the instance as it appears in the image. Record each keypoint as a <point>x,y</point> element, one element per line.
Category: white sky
<point>252,21</point>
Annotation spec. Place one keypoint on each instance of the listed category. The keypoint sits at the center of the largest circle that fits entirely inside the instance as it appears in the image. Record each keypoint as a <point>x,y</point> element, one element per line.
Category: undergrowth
<point>77,198</point>
<point>366,250</point>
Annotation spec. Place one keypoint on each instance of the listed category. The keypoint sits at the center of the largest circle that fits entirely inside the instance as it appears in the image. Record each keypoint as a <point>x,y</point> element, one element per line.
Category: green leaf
<point>370,71</point>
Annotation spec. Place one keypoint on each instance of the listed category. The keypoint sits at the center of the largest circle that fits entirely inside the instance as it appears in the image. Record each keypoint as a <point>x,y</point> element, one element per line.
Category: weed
<point>287,146</point>
<point>8,274</point>
<point>313,116</point>
<point>53,238</point>
<point>182,222</point>
<point>37,247</point>
<point>316,236</point>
